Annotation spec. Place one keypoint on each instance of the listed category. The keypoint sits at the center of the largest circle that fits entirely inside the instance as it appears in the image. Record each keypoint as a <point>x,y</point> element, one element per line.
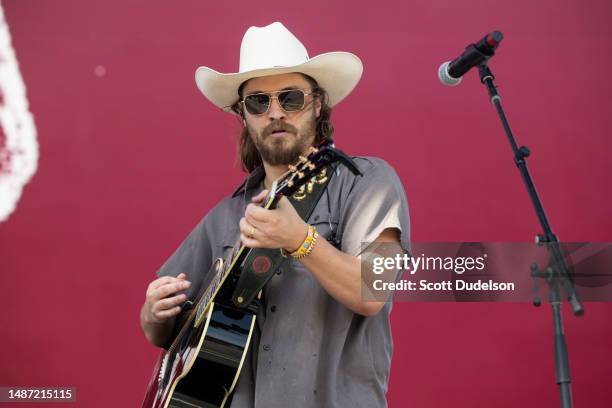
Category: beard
<point>286,150</point>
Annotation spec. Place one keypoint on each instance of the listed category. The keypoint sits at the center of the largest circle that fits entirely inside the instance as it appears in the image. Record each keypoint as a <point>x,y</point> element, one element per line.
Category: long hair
<point>247,151</point>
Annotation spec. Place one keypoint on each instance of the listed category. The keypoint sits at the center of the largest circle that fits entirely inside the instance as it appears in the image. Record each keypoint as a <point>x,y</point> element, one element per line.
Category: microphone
<point>450,72</point>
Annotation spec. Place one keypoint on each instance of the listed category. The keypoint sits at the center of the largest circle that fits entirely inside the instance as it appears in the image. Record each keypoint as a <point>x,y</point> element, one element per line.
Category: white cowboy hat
<point>273,50</point>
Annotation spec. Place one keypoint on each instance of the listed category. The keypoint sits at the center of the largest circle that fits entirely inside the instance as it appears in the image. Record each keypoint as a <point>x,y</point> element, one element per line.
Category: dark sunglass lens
<point>291,100</point>
<point>257,104</point>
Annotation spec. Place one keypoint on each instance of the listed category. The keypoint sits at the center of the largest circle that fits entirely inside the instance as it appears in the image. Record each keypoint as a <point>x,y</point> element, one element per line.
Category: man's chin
<point>277,159</point>
<point>281,155</point>
<point>281,150</point>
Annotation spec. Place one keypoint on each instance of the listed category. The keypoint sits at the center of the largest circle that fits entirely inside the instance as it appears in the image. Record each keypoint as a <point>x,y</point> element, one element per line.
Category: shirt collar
<point>253,180</point>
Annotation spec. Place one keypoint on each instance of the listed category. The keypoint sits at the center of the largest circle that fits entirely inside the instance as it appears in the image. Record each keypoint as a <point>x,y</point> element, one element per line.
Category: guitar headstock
<point>301,172</point>
<point>307,167</point>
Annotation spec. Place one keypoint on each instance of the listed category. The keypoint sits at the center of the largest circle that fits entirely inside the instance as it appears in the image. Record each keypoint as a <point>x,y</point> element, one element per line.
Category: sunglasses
<point>290,100</point>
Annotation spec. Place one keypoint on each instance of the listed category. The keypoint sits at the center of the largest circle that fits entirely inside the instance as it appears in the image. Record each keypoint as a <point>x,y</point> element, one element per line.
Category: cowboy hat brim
<point>337,72</point>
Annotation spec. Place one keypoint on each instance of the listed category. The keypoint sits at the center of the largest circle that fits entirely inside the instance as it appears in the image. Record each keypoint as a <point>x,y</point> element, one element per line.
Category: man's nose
<point>275,112</point>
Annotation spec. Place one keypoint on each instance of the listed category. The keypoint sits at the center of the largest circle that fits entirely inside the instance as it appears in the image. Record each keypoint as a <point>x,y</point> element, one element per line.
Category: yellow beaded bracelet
<point>306,247</point>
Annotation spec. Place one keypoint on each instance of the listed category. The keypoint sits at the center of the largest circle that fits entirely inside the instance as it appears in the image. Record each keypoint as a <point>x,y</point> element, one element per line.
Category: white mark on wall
<point>18,145</point>
<point>100,71</point>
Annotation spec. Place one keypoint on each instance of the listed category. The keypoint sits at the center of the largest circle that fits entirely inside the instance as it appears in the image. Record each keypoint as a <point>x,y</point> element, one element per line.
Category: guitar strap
<point>262,263</point>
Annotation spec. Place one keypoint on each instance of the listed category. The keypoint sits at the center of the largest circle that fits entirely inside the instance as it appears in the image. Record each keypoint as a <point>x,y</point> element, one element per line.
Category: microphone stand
<point>557,274</point>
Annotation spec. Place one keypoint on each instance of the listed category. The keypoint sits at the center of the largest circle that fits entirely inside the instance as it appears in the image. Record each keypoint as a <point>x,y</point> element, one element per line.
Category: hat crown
<point>270,46</point>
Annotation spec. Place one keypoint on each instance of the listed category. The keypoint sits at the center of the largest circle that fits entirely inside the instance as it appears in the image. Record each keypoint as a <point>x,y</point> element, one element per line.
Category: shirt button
<point>273,308</point>
<point>267,347</point>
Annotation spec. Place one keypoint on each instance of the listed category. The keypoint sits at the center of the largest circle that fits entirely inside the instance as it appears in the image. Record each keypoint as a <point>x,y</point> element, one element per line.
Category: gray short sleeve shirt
<point>308,350</point>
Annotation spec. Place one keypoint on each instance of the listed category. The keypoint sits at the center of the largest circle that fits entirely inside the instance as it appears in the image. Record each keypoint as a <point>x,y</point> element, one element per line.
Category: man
<point>317,342</point>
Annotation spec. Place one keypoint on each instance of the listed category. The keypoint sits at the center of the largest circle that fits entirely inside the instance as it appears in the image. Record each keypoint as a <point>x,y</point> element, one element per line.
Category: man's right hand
<point>161,306</point>
<point>163,298</point>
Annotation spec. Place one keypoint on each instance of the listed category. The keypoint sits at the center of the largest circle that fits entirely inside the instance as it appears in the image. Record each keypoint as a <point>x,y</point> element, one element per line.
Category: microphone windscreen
<point>444,76</point>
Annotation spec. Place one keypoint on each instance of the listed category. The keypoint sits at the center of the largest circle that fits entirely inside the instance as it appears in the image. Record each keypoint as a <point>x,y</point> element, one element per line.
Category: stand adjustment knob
<point>540,239</point>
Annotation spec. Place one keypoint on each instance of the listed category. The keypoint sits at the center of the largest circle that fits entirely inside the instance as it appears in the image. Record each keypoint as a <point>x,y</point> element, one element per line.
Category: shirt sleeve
<point>376,202</point>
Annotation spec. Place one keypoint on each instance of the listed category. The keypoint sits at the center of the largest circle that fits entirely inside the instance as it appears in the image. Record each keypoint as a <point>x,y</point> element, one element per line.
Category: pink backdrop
<point>132,159</point>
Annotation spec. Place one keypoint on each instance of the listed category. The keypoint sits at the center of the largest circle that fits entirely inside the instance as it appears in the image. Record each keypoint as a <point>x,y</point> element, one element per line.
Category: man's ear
<point>318,107</point>
<point>241,113</point>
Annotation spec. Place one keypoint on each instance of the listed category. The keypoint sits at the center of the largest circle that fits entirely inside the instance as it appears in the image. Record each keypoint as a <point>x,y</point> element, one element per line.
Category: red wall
<point>130,161</point>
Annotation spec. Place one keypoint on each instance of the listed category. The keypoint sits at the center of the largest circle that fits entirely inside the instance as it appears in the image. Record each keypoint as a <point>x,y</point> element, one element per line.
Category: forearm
<point>157,334</point>
<point>340,275</point>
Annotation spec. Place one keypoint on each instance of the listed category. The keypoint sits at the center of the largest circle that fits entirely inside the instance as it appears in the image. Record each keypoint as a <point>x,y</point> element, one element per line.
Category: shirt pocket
<point>325,223</point>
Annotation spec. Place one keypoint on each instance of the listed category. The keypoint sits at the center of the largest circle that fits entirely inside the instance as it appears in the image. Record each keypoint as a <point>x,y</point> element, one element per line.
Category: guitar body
<point>203,369</point>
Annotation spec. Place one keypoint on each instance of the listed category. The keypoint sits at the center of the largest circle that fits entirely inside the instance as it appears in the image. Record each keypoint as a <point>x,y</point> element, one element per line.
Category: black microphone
<point>450,72</point>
